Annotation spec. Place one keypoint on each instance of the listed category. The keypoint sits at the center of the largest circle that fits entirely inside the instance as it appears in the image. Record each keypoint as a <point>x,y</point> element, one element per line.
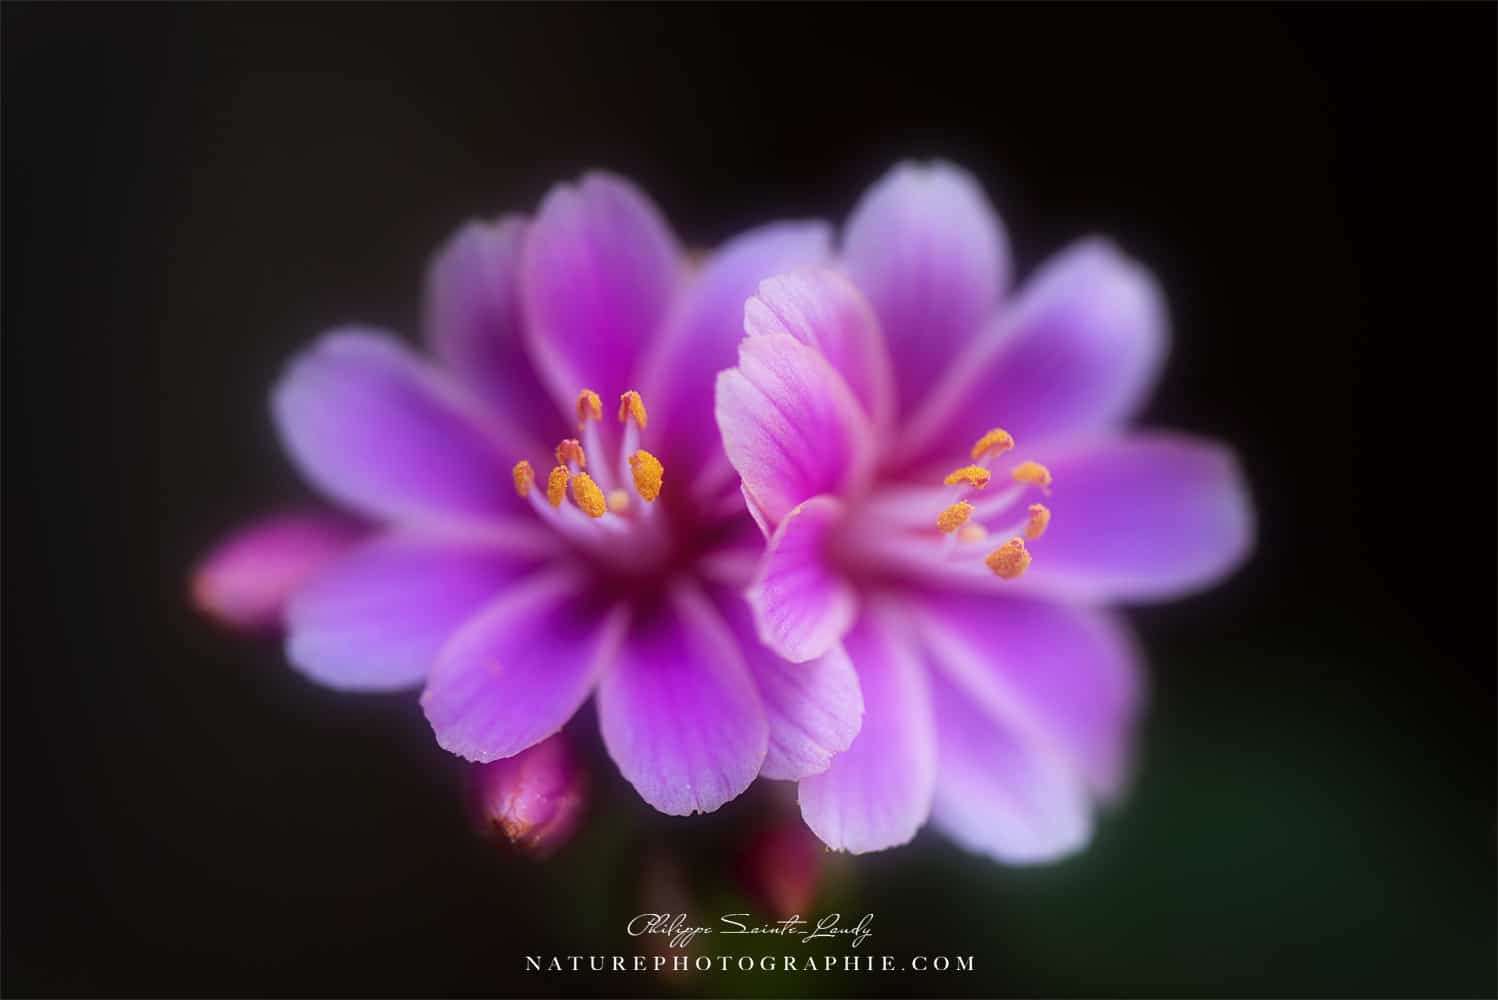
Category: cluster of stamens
<point>956,523</point>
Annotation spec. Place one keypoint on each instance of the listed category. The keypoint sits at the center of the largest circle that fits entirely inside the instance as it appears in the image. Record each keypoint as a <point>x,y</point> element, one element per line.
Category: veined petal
<point>679,713</point>
<point>387,435</point>
<point>598,273</point>
<point>877,793</point>
<point>791,426</point>
<point>517,672</point>
<point>802,605</point>
<point>927,248</point>
<point>376,618</point>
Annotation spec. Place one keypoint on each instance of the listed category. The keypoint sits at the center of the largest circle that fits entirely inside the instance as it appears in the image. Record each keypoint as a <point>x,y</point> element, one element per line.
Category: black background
<point>192,193</point>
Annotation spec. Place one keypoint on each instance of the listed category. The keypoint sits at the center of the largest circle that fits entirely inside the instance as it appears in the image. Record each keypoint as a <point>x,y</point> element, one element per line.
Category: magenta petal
<point>998,793</point>
<point>802,604</point>
<point>705,327</point>
<point>822,308</point>
<point>245,581</point>
<point>599,271</point>
<point>927,248</point>
<point>1146,517</point>
<point>1079,348</point>
<point>376,618</point>
<point>516,673</point>
<point>473,323</point>
<point>791,426</point>
<point>387,435</point>
<point>877,793</point>
<point>679,713</point>
<point>1072,675</point>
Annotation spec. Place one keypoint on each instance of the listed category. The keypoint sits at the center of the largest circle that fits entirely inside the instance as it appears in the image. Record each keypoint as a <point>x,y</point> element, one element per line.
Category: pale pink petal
<point>802,604</point>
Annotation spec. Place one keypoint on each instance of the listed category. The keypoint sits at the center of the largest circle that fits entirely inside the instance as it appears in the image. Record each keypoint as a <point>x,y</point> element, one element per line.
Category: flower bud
<point>780,867</point>
<point>536,798</point>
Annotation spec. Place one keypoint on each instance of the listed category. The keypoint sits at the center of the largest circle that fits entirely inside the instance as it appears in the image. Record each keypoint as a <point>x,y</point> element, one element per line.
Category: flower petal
<point>1145,517</point>
<point>516,673</point>
<point>877,793</point>
<point>387,435</point>
<point>679,713</point>
<point>791,426</point>
<point>927,248</point>
<point>1079,348</point>
<point>376,618</point>
<point>245,581</point>
<point>821,308</point>
<point>705,327</point>
<point>803,605</point>
<point>598,273</point>
<point>473,323</point>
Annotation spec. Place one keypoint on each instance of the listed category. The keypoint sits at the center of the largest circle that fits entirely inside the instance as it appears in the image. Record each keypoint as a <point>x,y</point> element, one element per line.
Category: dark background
<point>192,193</point>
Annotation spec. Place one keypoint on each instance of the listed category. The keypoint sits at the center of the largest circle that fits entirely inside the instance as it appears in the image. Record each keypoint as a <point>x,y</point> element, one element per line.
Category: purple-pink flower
<point>951,496</point>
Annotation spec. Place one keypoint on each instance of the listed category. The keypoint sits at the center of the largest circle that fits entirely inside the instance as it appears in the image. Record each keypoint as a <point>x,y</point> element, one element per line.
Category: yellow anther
<point>631,405</point>
<point>647,471</point>
<point>972,532</point>
<point>524,476</point>
<point>556,485</point>
<point>954,517</point>
<point>994,443</point>
<point>1034,474</point>
<point>570,451</point>
<point>1040,518</point>
<point>589,407</point>
<point>618,501</point>
<point>972,475</point>
<point>1008,560</point>
<point>588,496</point>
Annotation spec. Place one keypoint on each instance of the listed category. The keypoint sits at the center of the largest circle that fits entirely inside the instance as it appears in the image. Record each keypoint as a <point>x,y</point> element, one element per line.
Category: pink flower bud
<point>780,868</point>
<point>536,798</point>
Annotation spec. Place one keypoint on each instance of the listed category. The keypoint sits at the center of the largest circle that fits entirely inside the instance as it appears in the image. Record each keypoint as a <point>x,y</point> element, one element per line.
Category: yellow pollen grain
<point>972,475</point>
<point>973,532</point>
<point>589,407</point>
<point>618,501</point>
<point>1008,560</point>
<point>588,496</point>
<point>524,476</point>
<point>1040,519</point>
<point>1034,474</point>
<point>995,442</point>
<point>569,451</point>
<point>556,485</point>
<point>954,517</point>
<point>648,472</point>
<point>631,405</point>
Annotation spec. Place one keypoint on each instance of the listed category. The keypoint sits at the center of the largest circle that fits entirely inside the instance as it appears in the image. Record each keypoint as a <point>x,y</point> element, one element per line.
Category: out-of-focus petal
<point>515,674</point>
<point>244,582</point>
<point>791,426</point>
<point>598,273</point>
<point>383,433</point>
<point>927,248</point>
<point>473,324</point>
<point>376,618</point>
<point>705,327</point>
<point>536,798</point>
<point>877,793</point>
<point>820,307</point>
<point>679,713</point>
<point>802,604</point>
<point>1079,348</point>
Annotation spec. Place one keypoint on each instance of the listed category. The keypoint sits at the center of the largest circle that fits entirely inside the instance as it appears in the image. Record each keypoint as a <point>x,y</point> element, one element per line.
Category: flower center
<point>962,523</point>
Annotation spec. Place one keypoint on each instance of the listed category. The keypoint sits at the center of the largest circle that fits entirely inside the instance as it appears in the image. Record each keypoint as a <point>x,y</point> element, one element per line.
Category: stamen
<point>1008,560</point>
<point>1034,474</point>
<point>954,517</point>
<point>556,485</point>
<point>570,451</point>
<point>589,407</point>
<point>631,405</point>
<point>647,471</point>
<point>992,444</point>
<point>973,532</point>
<point>1040,518</point>
<point>618,501</point>
<point>587,495</point>
<point>969,475</point>
<point>524,476</point>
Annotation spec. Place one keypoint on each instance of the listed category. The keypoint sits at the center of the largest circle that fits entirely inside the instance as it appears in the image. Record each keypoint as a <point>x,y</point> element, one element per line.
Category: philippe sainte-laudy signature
<point>680,930</point>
